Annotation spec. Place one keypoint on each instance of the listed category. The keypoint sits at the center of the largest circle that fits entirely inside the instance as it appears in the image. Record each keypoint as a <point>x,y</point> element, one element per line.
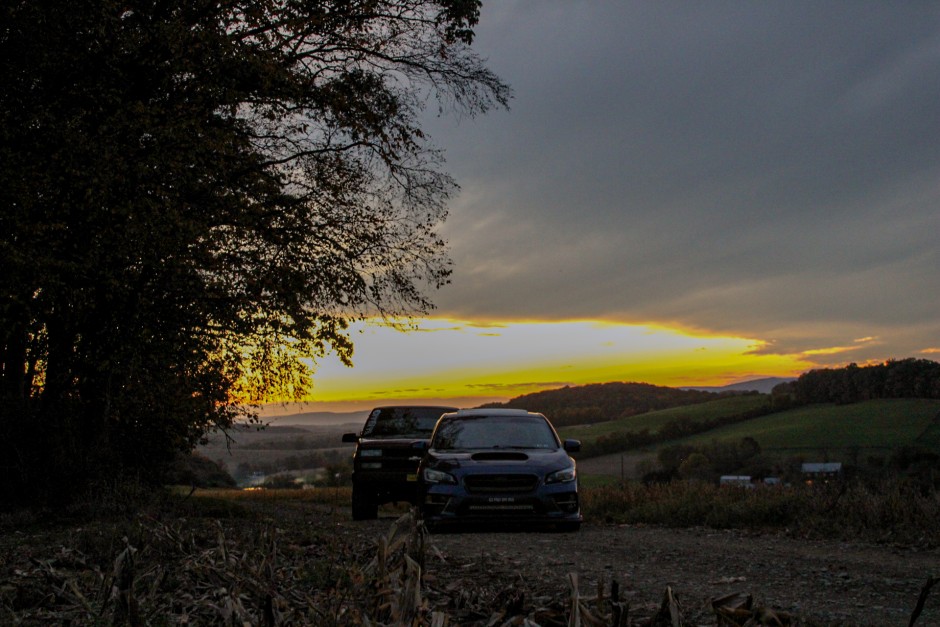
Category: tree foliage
<point>903,378</point>
<point>196,195</point>
<point>711,461</point>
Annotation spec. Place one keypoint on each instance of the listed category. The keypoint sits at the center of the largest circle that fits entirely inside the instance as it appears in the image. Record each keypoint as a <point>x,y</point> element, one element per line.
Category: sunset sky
<point>682,193</point>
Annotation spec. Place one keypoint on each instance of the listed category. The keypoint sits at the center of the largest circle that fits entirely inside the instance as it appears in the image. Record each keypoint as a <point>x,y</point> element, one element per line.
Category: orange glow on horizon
<point>832,350</point>
<point>476,362</point>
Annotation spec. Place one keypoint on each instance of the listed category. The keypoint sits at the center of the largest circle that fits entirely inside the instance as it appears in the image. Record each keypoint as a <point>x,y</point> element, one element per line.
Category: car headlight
<point>436,476</point>
<point>562,476</point>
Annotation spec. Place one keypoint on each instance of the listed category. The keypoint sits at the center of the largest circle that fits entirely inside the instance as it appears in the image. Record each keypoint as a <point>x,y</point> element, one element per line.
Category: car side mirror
<point>572,446</point>
<point>351,437</point>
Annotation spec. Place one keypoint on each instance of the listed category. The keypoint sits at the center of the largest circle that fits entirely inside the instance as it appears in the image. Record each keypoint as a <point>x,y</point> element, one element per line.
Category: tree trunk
<point>13,373</point>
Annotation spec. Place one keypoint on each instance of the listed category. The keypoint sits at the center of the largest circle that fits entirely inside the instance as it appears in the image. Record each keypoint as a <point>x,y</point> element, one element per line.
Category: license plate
<point>412,477</point>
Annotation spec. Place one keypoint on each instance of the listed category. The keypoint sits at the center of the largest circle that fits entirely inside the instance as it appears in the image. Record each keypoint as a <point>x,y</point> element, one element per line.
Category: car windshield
<point>494,432</point>
<point>402,421</point>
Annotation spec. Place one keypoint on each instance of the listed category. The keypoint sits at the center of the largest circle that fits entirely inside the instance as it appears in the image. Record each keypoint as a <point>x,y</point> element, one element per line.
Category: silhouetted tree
<point>197,195</point>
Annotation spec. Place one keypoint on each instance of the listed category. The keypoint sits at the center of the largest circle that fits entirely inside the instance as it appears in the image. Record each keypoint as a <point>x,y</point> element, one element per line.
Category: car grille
<point>395,459</point>
<point>400,453</point>
<point>401,459</point>
<point>524,508</point>
<point>500,484</point>
<point>399,464</point>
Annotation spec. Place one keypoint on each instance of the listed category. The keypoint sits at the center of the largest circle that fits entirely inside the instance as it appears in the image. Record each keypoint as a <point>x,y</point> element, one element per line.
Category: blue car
<point>499,466</point>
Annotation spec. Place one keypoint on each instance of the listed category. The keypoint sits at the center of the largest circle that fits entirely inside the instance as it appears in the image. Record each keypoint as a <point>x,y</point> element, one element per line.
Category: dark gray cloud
<point>765,169</point>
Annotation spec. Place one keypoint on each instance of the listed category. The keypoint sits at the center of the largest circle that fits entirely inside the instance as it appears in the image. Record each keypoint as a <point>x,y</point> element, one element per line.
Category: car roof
<point>492,412</point>
<point>444,407</point>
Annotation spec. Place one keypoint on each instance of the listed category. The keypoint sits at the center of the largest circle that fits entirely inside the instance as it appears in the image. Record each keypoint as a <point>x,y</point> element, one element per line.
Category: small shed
<point>821,471</point>
<point>742,481</point>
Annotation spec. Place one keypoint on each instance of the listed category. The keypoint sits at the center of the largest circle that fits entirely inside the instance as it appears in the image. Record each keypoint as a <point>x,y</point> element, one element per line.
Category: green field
<point>885,423</point>
<point>654,420</point>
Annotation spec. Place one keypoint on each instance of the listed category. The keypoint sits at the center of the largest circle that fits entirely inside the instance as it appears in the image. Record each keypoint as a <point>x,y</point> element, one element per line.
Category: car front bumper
<point>449,504</point>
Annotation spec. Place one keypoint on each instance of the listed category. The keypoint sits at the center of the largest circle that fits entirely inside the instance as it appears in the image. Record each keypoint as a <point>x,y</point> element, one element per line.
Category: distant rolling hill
<point>764,386</point>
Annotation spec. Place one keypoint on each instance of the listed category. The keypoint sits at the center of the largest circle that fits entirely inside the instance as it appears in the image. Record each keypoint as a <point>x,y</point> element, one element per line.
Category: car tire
<point>364,506</point>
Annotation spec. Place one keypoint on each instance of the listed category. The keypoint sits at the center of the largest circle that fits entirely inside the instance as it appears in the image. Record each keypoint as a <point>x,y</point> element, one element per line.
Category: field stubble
<point>279,557</point>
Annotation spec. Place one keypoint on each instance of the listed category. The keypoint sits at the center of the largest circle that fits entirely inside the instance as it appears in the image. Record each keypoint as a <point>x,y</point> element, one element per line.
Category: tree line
<point>902,378</point>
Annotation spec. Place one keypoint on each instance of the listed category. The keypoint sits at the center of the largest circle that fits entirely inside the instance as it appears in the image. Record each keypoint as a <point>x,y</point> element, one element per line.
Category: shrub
<point>199,471</point>
<point>894,509</point>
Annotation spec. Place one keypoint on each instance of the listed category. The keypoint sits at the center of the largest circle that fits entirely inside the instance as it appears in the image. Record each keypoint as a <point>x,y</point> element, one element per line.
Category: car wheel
<point>364,506</point>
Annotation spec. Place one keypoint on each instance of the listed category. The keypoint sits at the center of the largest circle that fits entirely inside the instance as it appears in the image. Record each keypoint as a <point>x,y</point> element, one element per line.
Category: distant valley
<point>318,419</point>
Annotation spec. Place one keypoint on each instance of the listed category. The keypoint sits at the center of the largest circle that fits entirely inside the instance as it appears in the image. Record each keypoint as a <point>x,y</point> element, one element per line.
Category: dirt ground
<point>62,574</point>
<point>821,582</point>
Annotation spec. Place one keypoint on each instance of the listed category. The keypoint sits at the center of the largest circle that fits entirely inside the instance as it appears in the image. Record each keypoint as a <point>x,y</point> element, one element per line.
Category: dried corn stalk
<point>738,610</point>
<point>396,571</point>
<point>581,615</point>
<point>122,589</point>
<point>669,614</point>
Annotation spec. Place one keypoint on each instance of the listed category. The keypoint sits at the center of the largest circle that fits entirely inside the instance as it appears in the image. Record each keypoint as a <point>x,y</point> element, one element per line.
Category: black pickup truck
<point>388,450</point>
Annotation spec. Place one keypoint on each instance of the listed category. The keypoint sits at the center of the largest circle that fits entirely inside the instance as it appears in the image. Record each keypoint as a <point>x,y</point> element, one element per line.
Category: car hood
<point>409,442</point>
<point>499,460</point>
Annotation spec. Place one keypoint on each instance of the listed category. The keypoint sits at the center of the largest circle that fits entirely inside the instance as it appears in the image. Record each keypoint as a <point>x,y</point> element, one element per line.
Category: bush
<point>199,471</point>
<point>894,509</point>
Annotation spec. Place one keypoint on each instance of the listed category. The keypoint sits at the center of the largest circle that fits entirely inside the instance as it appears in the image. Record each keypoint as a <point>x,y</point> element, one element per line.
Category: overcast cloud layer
<point>767,170</point>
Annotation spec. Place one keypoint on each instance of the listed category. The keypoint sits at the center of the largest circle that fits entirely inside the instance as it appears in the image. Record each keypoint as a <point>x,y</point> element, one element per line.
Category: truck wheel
<point>364,506</point>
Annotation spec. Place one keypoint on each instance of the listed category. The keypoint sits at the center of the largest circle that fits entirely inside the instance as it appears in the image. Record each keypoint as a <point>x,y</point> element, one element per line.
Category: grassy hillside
<point>885,423</point>
<point>930,438</point>
<point>856,434</point>
<point>655,420</point>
